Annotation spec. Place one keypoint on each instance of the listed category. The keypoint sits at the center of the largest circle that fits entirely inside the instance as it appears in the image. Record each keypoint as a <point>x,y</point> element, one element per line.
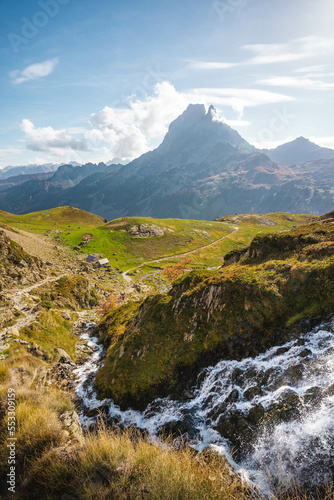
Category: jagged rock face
<point>195,133</point>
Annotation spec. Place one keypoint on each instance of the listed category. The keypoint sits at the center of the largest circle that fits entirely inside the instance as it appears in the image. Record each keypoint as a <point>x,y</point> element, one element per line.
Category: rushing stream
<point>276,409</point>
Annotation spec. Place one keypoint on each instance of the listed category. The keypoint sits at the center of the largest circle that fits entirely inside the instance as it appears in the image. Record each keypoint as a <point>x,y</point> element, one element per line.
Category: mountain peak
<point>299,151</point>
<point>193,112</point>
<point>198,131</point>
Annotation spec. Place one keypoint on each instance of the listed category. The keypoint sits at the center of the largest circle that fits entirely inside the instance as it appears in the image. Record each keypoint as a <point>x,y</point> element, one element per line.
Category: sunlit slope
<point>131,241</point>
<point>55,218</point>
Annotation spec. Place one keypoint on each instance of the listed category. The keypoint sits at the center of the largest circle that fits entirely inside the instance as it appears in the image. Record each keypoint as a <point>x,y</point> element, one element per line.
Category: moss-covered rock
<point>232,313</point>
<point>71,291</point>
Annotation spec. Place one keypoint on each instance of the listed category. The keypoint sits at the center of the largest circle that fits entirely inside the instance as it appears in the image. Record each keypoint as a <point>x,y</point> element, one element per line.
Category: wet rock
<point>286,408</point>
<point>313,396</point>
<point>83,352</point>
<point>177,429</point>
<point>233,396</point>
<point>267,375</point>
<point>305,353</point>
<point>330,390</point>
<point>236,376</point>
<point>235,428</point>
<point>217,410</point>
<point>103,409</point>
<point>256,414</point>
<point>295,372</point>
<point>252,392</point>
<point>282,350</point>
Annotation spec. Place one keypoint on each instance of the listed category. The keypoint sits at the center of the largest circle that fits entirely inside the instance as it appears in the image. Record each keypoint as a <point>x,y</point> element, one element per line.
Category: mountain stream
<point>276,409</point>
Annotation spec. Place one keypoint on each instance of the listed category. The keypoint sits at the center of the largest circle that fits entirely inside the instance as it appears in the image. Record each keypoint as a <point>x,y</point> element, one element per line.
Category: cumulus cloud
<point>57,142</point>
<point>130,131</point>
<point>33,72</point>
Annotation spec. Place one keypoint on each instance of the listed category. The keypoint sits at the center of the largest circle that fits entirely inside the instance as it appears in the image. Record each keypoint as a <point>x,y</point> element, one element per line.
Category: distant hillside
<point>27,170</point>
<point>300,150</point>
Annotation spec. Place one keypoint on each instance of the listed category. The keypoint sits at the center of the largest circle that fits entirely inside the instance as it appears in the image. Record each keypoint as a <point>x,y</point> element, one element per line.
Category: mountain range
<point>203,169</point>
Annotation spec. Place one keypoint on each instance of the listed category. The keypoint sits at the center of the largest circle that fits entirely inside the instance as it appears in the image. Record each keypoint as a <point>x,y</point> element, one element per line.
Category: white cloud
<point>207,65</point>
<point>299,49</point>
<point>324,142</point>
<point>290,81</point>
<point>239,99</point>
<point>129,131</point>
<point>47,139</point>
<point>33,72</point>
<point>310,69</point>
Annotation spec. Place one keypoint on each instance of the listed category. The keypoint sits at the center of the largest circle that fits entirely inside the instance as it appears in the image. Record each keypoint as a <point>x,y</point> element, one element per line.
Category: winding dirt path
<point>30,313</point>
<point>128,279</point>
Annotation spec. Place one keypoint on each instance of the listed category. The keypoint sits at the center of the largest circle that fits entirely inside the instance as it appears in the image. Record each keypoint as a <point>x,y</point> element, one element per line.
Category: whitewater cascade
<point>277,408</point>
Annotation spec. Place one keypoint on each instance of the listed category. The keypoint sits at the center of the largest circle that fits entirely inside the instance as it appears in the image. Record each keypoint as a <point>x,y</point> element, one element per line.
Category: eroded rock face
<point>146,231</point>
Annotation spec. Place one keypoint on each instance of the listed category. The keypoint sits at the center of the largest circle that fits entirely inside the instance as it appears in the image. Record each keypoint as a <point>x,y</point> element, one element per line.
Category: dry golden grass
<point>126,465</point>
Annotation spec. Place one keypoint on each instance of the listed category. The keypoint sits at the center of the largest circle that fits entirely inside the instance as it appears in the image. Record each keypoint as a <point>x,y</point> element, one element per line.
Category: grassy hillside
<point>72,227</point>
<point>60,217</point>
<point>231,313</point>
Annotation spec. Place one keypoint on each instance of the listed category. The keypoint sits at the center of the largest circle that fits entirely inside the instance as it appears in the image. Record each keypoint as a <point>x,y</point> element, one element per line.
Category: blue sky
<point>89,81</point>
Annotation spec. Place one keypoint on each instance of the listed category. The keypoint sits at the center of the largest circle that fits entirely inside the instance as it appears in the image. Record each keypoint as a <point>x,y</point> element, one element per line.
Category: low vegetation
<point>50,331</point>
<point>117,241</point>
<point>235,312</point>
<point>70,291</point>
<point>175,272</point>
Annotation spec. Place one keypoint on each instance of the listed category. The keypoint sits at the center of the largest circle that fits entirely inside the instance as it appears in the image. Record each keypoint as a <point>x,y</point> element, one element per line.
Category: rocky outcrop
<point>146,231</point>
<point>16,266</point>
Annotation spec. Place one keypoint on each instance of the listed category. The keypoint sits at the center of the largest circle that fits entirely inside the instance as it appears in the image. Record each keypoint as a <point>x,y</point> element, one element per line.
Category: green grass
<point>51,331</point>
<point>53,219</point>
<point>180,235</point>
